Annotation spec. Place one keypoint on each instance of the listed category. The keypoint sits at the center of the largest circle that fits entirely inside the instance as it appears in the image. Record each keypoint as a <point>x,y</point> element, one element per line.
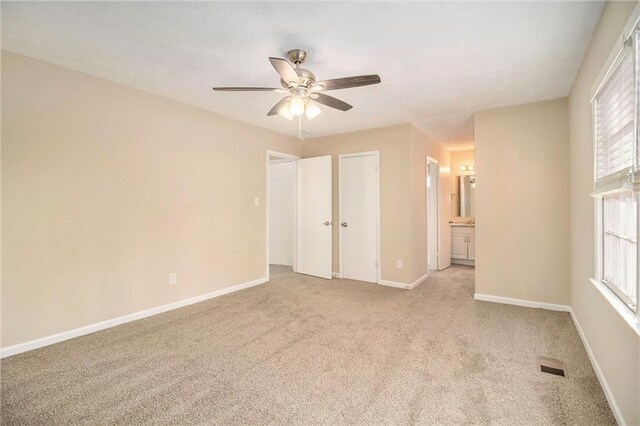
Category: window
<point>619,245</point>
<point>617,177</point>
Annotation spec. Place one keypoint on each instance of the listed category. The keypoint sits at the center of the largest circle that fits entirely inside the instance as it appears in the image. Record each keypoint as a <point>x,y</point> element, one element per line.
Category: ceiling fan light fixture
<point>284,112</point>
<point>312,110</point>
<point>296,106</point>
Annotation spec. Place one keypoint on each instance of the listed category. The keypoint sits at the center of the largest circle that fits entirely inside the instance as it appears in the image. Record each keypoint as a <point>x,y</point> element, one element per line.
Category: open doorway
<point>433,184</point>
<point>281,214</point>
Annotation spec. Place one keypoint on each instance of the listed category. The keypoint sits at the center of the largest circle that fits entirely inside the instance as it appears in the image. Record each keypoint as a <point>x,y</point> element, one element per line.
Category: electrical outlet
<point>173,278</point>
<point>256,202</point>
<point>399,264</point>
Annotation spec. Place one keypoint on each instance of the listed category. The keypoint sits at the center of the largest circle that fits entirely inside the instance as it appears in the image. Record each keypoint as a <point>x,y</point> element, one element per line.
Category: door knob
<point>344,224</point>
<point>327,223</point>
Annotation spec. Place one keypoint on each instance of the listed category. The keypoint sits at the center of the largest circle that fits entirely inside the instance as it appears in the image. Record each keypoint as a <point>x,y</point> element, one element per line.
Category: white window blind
<point>615,127</point>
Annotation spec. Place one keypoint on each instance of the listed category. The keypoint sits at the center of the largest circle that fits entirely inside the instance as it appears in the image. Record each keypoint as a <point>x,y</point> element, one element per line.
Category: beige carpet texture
<point>303,350</point>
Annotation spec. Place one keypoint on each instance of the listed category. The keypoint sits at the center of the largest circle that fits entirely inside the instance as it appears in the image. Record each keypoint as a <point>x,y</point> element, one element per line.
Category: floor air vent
<point>552,366</point>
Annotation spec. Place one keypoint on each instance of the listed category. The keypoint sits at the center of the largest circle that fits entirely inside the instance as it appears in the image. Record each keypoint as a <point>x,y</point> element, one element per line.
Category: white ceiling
<point>439,62</point>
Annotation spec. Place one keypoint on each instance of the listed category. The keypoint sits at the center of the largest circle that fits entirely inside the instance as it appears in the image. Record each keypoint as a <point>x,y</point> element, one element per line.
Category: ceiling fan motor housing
<point>307,78</point>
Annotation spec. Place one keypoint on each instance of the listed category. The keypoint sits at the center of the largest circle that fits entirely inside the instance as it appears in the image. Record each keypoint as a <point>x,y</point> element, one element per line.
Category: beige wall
<point>459,158</point>
<point>421,147</point>
<point>616,347</point>
<point>395,194</point>
<point>106,190</point>
<point>522,216</point>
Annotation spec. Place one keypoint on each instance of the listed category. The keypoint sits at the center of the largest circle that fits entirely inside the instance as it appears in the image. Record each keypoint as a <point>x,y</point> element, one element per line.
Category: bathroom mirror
<point>466,195</point>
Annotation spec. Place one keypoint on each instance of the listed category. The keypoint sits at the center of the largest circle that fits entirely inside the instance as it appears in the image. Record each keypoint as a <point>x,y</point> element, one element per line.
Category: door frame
<point>375,154</point>
<point>285,158</point>
<point>434,187</point>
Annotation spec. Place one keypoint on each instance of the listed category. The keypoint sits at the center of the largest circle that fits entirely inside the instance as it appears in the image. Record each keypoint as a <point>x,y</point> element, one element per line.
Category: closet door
<point>314,209</point>
<point>359,217</point>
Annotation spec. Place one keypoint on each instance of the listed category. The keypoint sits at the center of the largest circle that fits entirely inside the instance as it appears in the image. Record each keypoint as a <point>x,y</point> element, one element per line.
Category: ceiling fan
<point>304,91</point>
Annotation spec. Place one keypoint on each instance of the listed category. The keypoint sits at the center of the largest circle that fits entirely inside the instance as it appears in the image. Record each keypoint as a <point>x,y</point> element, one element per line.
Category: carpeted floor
<point>308,351</point>
<point>280,271</point>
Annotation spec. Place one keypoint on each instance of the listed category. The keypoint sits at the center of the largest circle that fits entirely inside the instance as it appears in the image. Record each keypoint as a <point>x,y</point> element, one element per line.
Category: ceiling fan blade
<point>282,103</point>
<point>330,101</point>
<point>247,89</point>
<point>346,82</point>
<point>286,71</point>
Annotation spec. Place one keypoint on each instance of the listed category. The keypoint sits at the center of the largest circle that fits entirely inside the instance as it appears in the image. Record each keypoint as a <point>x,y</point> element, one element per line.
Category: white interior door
<point>313,248</point>
<point>359,217</point>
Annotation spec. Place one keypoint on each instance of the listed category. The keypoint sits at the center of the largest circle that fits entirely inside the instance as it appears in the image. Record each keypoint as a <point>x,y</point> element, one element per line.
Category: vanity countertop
<point>468,225</point>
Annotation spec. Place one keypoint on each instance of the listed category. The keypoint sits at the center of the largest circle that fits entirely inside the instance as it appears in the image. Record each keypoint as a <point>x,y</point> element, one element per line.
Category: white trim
<point>465,262</point>
<point>359,154</point>
<point>521,302</point>
<point>419,280</point>
<point>375,154</point>
<point>282,158</point>
<point>429,222</point>
<point>88,329</point>
<point>395,284</point>
<point>403,285</point>
<point>596,367</point>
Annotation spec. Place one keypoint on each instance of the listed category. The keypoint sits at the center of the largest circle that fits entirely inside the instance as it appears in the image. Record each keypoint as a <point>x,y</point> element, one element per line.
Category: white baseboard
<point>463,262</point>
<point>66,335</point>
<point>394,284</point>
<point>419,280</point>
<point>403,285</point>
<point>521,302</point>
<point>596,367</point>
